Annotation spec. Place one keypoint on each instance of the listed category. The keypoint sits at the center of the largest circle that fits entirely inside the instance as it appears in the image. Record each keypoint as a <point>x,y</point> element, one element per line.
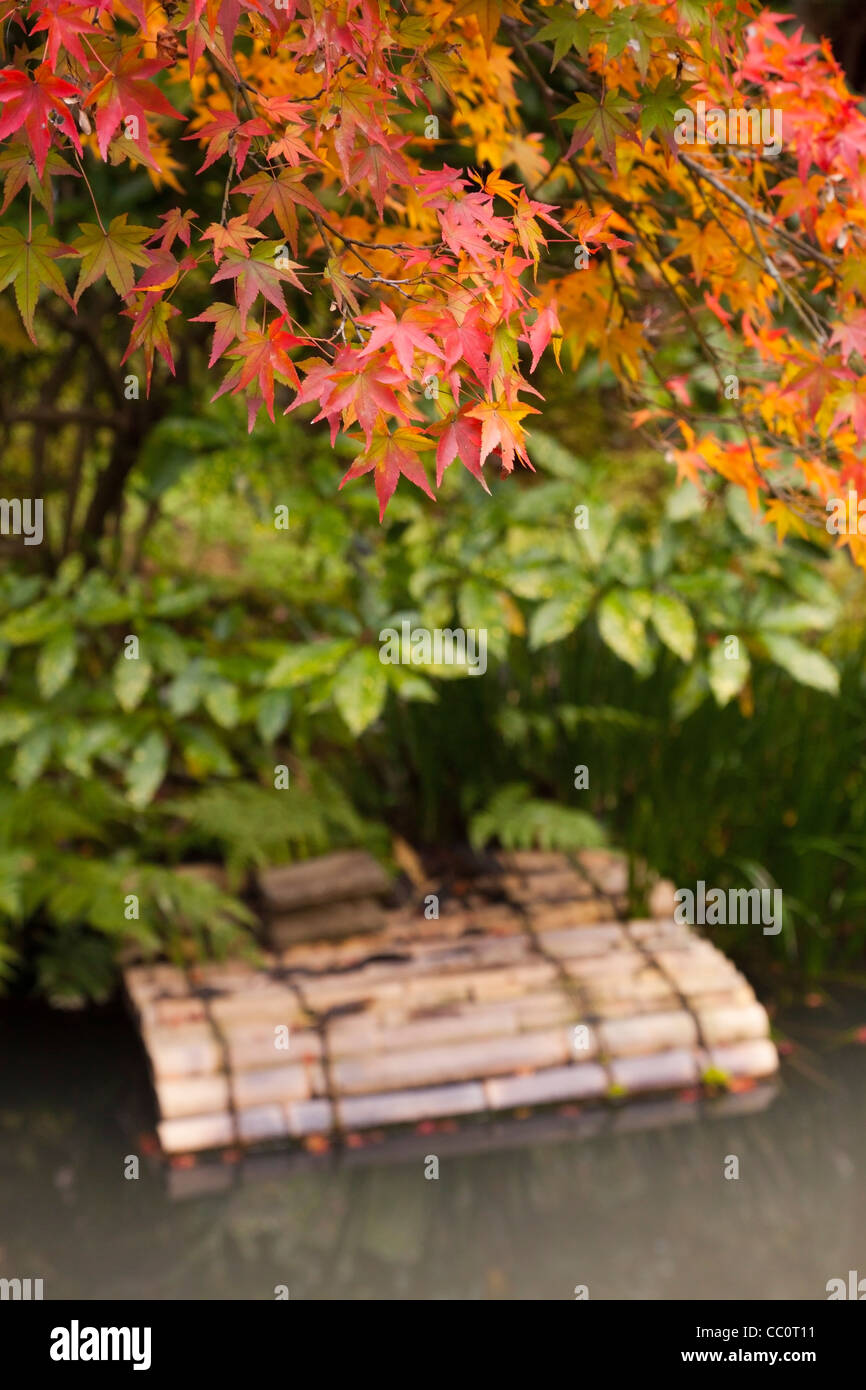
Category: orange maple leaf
<point>501,428</point>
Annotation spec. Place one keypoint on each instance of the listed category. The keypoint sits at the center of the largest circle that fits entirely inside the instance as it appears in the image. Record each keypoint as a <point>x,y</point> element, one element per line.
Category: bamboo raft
<point>529,990</point>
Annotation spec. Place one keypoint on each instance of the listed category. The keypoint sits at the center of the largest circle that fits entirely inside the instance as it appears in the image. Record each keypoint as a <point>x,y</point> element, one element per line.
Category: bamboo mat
<point>529,990</point>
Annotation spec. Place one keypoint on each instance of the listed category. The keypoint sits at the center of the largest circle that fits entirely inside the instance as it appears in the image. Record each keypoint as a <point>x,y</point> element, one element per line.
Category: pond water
<point>645,1214</point>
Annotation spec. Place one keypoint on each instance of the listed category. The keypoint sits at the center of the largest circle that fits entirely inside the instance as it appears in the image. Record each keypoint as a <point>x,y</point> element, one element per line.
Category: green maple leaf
<point>659,105</point>
<point>646,26</point>
<point>442,68</point>
<point>568,30</point>
<point>414,31</point>
<point>16,162</point>
<point>696,13</point>
<point>28,262</point>
<point>604,121</point>
<point>619,29</point>
<point>112,254</point>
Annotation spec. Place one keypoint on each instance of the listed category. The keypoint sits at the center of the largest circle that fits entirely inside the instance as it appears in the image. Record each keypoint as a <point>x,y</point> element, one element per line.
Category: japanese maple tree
<point>406,206</point>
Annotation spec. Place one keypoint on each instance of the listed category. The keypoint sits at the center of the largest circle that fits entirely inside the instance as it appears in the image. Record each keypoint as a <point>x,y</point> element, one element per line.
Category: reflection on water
<point>643,1214</point>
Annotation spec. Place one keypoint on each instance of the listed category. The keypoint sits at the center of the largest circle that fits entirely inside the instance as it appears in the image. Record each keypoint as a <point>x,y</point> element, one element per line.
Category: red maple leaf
<point>29,102</point>
<point>402,335</point>
<point>461,438</point>
<point>799,198</point>
<point>284,109</point>
<point>162,273</point>
<point>263,356</point>
<point>817,380</point>
<point>539,335</point>
<point>851,336</point>
<point>390,457</point>
<point>528,232</point>
<point>380,166</point>
<point>501,429</point>
<point>257,274</point>
<point>852,407</point>
<point>361,110</point>
<point>469,227</point>
<point>319,385</point>
<point>150,331</point>
<point>64,23</point>
<point>678,387</point>
<point>226,320</point>
<point>224,135</point>
<point>278,195</point>
<point>174,224</point>
<point>216,133</point>
<point>291,147</point>
<point>717,308</point>
<point>466,341</point>
<point>233,236</point>
<point>126,92</point>
<point>363,395</point>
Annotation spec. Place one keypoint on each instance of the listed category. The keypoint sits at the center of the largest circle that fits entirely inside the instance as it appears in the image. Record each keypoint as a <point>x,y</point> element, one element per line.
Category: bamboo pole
<point>550,916</point>
<point>196,1132</point>
<point>309,1117</point>
<point>409,1107</point>
<point>756,1058</point>
<point>292,1081</point>
<point>584,941</point>
<point>192,1095</point>
<point>733,1025</point>
<point>564,886</point>
<point>254,1045</point>
<point>188,1050</point>
<point>339,919</point>
<point>660,1071</point>
<point>606,871</point>
<point>467,1061</point>
<point>172,1011</point>
<point>583,1081</point>
<point>648,1033</point>
<point>329,878</point>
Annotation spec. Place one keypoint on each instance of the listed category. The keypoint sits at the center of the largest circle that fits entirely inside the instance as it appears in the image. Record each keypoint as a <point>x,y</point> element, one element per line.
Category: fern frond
<point>519,821</point>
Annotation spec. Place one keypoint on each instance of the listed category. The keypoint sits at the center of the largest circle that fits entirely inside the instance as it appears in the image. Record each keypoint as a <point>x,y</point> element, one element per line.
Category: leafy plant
<point>519,821</point>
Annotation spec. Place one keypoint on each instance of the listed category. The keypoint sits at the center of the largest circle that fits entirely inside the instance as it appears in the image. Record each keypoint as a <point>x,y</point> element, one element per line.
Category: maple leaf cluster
<point>755,256</point>
<point>406,297</point>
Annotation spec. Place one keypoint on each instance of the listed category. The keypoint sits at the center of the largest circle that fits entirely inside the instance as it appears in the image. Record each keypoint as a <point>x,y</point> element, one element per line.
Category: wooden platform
<point>529,990</point>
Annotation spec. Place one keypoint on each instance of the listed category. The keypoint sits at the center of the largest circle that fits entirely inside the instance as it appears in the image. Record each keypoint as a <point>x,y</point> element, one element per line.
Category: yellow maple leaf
<point>486,13</point>
<point>778,514</point>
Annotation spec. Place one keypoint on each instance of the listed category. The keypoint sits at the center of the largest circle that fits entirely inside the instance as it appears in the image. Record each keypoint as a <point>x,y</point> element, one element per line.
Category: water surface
<point>646,1214</point>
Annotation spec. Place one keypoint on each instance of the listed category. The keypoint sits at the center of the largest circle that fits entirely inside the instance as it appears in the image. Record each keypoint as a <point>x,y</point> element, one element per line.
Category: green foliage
<point>246,825</point>
<point>258,648</point>
<point>519,821</point>
<point>116,768</point>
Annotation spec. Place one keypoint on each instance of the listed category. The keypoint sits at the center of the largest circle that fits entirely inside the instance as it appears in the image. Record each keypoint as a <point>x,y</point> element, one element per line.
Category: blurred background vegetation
<point>259,648</point>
